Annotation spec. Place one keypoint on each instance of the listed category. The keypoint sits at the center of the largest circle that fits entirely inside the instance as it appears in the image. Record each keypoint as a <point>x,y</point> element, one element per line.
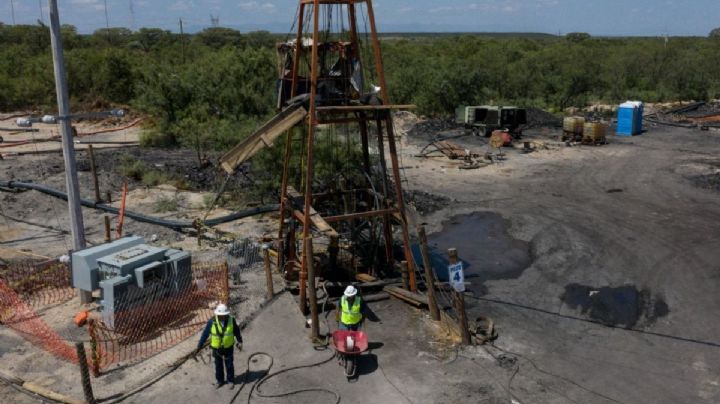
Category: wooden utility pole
<point>108,235</point>
<point>429,275</point>
<point>314,318</point>
<point>77,228</point>
<point>459,303</point>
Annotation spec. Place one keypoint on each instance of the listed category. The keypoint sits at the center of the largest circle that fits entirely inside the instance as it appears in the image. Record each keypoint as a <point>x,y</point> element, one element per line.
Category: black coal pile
<point>425,202</point>
<point>432,129</point>
<point>537,118</point>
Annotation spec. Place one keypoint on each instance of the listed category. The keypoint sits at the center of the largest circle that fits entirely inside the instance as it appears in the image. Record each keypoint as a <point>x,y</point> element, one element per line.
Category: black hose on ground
<point>255,388</point>
<point>172,224</point>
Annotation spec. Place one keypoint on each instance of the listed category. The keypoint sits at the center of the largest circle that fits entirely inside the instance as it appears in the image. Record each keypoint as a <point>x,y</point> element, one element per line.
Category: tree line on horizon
<point>219,84</point>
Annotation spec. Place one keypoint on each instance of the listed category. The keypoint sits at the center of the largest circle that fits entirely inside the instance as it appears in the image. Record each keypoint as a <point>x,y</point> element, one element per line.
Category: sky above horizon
<point>597,17</point>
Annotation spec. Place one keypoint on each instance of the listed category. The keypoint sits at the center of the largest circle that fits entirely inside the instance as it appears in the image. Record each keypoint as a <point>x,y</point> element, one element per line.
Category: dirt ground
<point>599,265</point>
<point>613,290</point>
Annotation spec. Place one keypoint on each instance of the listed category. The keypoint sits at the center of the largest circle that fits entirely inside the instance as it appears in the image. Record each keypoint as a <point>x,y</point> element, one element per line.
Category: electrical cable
<point>534,365</point>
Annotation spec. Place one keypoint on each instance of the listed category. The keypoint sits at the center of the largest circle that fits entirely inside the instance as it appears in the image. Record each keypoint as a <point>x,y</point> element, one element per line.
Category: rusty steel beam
<point>312,121</point>
<point>352,216</point>
<point>354,108</point>
<point>288,139</point>
<point>400,202</point>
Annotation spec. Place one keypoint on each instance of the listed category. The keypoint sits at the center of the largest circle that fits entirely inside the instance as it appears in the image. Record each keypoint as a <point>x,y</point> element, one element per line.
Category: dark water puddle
<point>484,245</point>
<point>623,306</point>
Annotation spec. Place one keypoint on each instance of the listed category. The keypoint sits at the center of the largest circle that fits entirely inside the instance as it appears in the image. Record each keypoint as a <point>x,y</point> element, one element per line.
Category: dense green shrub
<point>209,90</point>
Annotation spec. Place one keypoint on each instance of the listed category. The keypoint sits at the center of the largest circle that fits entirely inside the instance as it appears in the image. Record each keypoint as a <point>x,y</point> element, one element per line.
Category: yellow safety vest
<point>350,315</point>
<point>220,339</point>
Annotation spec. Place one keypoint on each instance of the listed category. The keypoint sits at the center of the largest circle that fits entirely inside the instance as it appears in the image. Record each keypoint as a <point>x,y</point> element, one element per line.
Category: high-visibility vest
<point>220,338</point>
<point>350,315</point>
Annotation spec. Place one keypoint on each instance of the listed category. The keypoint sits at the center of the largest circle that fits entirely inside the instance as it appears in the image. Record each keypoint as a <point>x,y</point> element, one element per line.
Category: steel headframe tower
<point>300,207</point>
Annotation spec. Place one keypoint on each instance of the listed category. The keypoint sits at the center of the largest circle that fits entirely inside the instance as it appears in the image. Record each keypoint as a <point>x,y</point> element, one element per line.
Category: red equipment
<point>348,345</point>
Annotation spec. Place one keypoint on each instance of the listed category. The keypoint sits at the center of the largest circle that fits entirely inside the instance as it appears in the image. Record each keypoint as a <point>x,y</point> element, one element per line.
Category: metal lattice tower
<point>350,101</point>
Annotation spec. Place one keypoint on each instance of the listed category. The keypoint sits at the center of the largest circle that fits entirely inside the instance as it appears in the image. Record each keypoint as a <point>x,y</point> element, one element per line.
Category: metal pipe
<point>173,224</point>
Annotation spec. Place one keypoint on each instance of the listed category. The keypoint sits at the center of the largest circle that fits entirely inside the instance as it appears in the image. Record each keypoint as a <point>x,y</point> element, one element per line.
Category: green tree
<point>218,37</point>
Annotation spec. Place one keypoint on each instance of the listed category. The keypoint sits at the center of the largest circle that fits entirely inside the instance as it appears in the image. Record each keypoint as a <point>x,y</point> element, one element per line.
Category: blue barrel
<point>629,118</point>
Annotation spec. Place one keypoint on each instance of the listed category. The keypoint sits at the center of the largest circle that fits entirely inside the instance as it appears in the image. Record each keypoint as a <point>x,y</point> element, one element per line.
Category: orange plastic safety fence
<point>39,283</point>
<point>18,315</point>
<point>160,322</point>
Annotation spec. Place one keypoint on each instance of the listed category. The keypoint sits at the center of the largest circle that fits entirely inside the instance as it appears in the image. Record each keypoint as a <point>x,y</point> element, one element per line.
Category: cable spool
<point>496,139</point>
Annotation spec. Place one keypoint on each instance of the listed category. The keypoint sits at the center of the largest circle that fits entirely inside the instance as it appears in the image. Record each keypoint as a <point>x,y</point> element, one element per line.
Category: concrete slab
<point>402,366</point>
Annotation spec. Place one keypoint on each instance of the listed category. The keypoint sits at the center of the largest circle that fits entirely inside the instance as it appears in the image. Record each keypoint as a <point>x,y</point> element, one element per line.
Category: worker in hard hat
<point>351,310</point>
<point>223,332</point>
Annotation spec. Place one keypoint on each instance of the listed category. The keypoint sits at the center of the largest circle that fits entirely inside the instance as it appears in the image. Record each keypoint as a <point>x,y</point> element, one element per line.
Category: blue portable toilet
<point>629,118</point>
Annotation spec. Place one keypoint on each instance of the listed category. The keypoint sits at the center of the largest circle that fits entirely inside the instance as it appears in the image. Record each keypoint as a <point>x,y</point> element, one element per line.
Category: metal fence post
<point>429,275</point>
<point>268,272</point>
<point>226,284</point>
<point>93,169</point>
<point>84,373</point>
<point>314,325</point>
<point>405,275</point>
<point>95,357</point>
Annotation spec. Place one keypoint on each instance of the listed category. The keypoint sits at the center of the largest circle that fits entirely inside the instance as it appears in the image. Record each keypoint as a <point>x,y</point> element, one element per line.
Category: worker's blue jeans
<point>224,358</point>
<point>350,327</point>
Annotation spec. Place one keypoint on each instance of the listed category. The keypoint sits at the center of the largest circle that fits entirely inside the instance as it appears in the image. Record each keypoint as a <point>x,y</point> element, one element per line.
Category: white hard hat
<point>221,310</point>
<point>350,291</point>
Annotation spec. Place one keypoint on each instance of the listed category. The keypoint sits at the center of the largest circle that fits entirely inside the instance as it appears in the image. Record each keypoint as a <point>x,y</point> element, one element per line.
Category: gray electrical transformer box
<point>124,262</point>
<point>131,274</point>
<point>85,274</point>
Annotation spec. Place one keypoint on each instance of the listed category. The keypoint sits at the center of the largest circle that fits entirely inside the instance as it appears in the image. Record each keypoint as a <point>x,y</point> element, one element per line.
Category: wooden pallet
<point>416,299</point>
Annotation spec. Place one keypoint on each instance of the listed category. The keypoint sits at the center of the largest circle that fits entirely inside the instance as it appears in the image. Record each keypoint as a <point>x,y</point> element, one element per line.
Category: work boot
<point>232,385</point>
<point>218,384</point>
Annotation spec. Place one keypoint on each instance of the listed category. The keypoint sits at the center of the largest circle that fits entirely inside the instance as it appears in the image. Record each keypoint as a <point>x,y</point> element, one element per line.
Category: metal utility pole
<point>132,16</point>
<point>12,10</point>
<point>42,15</point>
<point>77,228</point>
<point>107,20</point>
<point>182,41</point>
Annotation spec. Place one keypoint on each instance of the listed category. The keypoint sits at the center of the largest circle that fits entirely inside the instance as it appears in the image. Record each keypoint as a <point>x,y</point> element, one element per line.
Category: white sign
<point>456,276</point>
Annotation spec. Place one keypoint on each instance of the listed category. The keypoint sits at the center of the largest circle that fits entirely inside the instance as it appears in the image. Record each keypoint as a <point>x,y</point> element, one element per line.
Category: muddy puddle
<point>488,251</point>
<point>623,306</point>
